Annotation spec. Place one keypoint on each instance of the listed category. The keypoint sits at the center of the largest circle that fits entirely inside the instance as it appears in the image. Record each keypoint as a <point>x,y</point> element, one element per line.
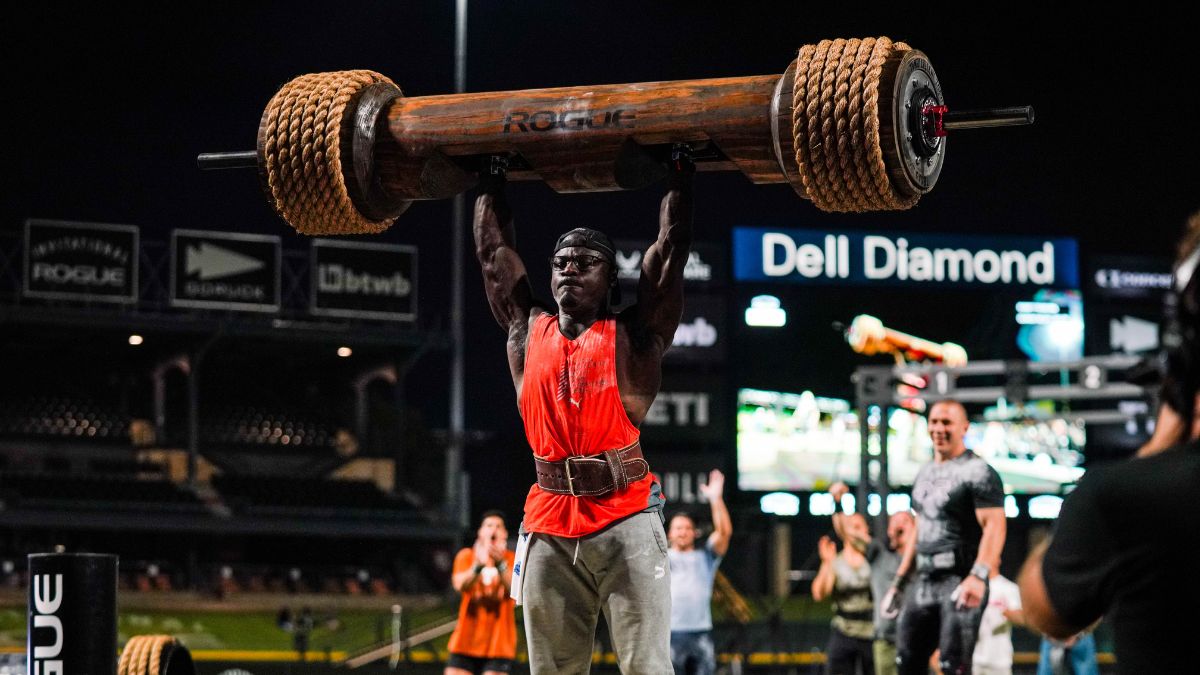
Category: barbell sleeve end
<point>227,160</point>
<point>983,118</point>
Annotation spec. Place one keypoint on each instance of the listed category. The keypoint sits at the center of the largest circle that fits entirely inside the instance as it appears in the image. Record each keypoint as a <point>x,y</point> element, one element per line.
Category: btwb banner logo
<point>701,332</point>
<point>371,281</point>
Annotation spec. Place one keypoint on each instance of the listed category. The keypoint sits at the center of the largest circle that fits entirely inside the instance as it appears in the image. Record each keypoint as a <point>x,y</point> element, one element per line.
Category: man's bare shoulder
<point>519,330</point>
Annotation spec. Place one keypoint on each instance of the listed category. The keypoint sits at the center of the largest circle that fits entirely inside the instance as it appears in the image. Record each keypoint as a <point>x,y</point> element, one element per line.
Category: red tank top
<point>571,407</point>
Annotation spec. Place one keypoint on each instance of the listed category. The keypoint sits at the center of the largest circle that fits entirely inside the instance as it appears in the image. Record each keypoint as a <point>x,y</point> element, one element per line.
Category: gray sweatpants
<point>622,570</point>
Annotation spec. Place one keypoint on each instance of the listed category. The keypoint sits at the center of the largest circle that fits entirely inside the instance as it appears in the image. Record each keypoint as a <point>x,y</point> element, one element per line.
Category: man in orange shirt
<point>485,640</point>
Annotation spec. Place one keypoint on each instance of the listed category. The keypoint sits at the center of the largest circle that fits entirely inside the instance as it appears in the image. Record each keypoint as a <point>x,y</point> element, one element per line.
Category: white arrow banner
<point>225,270</point>
<point>214,262</point>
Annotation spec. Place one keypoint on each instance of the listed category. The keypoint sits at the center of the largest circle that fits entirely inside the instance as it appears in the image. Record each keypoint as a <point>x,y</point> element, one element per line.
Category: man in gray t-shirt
<point>692,574</point>
<point>958,500</point>
<point>884,558</point>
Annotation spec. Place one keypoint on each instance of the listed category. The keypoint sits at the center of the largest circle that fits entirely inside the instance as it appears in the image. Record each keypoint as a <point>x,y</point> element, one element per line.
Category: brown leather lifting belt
<point>595,475</point>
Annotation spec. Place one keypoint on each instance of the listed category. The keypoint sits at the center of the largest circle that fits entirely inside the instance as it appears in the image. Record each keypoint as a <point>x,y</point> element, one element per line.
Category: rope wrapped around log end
<point>303,143</point>
<point>836,124</point>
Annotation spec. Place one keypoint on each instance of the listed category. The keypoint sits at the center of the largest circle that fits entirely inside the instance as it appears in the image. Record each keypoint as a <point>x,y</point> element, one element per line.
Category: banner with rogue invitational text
<point>81,261</point>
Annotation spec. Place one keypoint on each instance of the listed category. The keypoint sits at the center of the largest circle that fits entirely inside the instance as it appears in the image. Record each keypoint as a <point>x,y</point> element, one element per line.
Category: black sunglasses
<point>583,263</point>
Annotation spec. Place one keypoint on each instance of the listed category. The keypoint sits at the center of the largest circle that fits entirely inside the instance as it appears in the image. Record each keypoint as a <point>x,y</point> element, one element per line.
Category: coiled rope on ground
<point>143,654</point>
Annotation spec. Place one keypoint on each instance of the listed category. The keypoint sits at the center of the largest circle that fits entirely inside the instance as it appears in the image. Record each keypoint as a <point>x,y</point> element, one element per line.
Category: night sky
<point>108,108</point>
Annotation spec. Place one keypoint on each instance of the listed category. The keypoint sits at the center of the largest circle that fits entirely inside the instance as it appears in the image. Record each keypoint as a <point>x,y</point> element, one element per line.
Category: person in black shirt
<point>1124,544</point>
<point>1125,541</point>
<point>959,504</point>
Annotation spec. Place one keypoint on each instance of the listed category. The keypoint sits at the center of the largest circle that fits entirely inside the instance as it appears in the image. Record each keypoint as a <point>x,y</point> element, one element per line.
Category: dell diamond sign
<point>814,256</point>
<point>367,281</point>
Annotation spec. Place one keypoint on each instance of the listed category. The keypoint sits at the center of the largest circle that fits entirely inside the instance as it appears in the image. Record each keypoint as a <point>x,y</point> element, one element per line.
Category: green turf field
<point>342,630</point>
<point>252,635</point>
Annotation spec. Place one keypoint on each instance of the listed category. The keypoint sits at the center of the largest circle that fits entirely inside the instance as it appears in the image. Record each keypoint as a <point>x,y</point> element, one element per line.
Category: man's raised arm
<point>660,288</point>
<point>714,491</point>
<point>504,275</point>
<point>859,542</point>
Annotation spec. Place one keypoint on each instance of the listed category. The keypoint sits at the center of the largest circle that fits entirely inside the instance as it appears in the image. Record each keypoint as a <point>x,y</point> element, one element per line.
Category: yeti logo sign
<point>691,407</point>
<point>367,281</point>
<point>518,121</point>
<point>47,599</point>
<point>679,409</point>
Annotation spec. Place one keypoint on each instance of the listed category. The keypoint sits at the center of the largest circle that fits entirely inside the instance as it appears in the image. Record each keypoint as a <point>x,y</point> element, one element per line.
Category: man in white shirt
<point>994,648</point>
<point>692,572</point>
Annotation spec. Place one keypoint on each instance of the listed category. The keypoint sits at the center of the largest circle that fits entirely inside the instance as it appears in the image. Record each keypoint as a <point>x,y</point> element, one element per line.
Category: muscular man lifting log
<point>585,377</point>
<point>853,125</point>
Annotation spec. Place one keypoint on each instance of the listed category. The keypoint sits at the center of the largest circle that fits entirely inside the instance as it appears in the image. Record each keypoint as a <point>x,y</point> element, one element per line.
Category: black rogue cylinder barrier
<point>72,614</point>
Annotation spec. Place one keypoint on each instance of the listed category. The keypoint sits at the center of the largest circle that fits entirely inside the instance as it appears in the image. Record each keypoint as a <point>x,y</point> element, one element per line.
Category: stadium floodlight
<point>780,504</point>
<point>1045,507</point>
<point>1066,333</point>
<point>765,311</point>
<point>898,502</point>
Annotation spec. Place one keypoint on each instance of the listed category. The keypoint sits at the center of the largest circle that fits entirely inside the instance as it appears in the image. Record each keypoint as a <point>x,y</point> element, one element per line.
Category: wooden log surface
<point>578,138</point>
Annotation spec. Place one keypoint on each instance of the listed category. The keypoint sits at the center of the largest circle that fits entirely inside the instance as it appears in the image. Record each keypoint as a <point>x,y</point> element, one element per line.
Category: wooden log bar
<point>346,152</point>
<point>585,139</point>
